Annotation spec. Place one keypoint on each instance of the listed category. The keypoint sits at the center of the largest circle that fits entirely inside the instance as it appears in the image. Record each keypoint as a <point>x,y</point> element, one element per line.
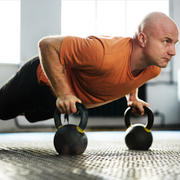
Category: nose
<point>172,50</point>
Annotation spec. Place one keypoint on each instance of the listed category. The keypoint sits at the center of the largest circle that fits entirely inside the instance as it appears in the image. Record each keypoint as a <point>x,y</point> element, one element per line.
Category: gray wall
<point>41,18</point>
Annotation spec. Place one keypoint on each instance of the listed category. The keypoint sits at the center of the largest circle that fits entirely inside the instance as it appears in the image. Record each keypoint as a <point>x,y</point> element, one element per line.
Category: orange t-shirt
<point>98,68</point>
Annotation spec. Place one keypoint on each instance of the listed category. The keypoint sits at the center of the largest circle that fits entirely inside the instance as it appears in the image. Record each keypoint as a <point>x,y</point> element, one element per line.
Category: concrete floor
<point>32,156</point>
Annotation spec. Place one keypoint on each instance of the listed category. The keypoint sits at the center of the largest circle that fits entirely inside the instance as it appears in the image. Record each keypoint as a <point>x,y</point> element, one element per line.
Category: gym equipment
<point>71,139</point>
<point>139,136</point>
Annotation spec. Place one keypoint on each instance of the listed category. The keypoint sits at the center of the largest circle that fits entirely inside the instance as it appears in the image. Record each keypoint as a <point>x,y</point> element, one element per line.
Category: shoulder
<point>154,70</point>
<point>82,43</point>
<point>82,52</point>
<point>113,44</point>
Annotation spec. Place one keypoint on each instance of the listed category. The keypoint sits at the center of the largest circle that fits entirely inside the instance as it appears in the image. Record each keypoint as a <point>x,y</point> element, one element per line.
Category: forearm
<point>53,69</point>
<point>136,103</point>
<point>132,96</point>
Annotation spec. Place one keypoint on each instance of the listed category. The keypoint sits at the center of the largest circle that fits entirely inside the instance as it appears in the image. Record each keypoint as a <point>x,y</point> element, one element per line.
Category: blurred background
<point>25,22</point>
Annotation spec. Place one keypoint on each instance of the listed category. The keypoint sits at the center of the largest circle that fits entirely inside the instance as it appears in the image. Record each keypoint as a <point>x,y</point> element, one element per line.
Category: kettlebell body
<point>71,139</point>
<point>139,136</point>
<point>68,140</point>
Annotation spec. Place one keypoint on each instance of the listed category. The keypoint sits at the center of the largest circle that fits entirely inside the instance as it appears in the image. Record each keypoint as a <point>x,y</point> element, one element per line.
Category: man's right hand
<point>67,104</point>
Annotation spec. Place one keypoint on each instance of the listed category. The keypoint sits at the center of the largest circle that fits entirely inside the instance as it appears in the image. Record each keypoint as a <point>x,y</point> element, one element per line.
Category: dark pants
<point>22,94</point>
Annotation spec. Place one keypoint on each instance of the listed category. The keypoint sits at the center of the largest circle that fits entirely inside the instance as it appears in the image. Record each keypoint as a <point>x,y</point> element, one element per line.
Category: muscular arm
<point>136,103</point>
<point>49,51</point>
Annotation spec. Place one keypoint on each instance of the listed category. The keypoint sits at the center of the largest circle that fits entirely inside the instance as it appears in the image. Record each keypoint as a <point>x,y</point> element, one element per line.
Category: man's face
<point>160,46</point>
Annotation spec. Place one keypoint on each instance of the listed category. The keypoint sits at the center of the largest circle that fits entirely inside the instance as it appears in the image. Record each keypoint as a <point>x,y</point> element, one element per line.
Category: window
<point>10,31</point>
<point>106,17</point>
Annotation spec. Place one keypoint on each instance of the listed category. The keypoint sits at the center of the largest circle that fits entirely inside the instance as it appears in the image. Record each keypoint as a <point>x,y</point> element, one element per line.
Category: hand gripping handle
<point>148,111</point>
<point>83,112</point>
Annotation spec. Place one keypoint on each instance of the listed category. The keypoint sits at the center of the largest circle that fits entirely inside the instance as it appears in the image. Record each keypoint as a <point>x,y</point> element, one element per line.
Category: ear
<point>142,39</point>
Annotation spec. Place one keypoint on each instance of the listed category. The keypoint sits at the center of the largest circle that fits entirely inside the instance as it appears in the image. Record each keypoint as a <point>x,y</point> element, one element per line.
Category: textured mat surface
<point>31,156</point>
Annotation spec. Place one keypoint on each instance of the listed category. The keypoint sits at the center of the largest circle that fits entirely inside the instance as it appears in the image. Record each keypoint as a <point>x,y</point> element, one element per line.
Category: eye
<point>166,41</point>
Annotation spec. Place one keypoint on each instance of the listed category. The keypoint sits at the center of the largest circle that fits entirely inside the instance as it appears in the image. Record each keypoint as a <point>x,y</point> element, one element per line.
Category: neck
<point>137,64</point>
<point>136,73</point>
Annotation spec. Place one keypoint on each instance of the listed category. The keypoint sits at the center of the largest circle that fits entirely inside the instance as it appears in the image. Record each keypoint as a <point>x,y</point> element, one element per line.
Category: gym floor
<point>31,156</point>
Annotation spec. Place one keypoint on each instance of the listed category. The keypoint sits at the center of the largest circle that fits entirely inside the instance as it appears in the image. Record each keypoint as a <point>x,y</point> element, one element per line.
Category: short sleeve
<point>155,71</point>
<point>82,53</point>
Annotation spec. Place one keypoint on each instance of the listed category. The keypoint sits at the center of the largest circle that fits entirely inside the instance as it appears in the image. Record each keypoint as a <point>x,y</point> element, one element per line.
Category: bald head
<point>154,41</point>
<point>156,21</point>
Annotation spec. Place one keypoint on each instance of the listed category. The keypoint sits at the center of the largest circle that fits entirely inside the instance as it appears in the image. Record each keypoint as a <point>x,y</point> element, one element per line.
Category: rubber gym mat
<point>31,156</point>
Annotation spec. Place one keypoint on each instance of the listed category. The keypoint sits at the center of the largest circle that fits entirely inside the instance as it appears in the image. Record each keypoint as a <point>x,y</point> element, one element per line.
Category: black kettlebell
<point>71,139</point>
<point>138,136</point>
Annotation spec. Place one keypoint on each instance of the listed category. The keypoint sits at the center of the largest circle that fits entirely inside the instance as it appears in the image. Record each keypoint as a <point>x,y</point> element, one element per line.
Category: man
<point>92,71</point>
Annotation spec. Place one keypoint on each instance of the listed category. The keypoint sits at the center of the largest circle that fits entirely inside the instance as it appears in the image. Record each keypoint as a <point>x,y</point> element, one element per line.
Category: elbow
<point>40,43</point>
<point>43,43</point>
<point>47,44</point>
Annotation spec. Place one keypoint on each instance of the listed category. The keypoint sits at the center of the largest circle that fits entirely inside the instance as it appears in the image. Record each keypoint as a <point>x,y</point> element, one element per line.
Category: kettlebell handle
<point>147,110</point>
<point>83,112</point>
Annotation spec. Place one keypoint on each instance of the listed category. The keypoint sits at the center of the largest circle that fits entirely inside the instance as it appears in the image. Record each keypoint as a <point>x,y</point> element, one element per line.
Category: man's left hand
<point>137,107</point>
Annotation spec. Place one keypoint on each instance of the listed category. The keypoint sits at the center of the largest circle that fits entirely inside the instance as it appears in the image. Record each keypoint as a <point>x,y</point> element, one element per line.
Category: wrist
<point>63,94</point>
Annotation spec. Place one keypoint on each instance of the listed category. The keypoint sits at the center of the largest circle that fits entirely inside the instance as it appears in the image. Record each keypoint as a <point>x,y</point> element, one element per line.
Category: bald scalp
<point>154,22</point>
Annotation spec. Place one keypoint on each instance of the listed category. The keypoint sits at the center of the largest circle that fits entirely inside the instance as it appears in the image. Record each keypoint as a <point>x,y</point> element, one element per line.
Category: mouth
<point>167,59</point>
